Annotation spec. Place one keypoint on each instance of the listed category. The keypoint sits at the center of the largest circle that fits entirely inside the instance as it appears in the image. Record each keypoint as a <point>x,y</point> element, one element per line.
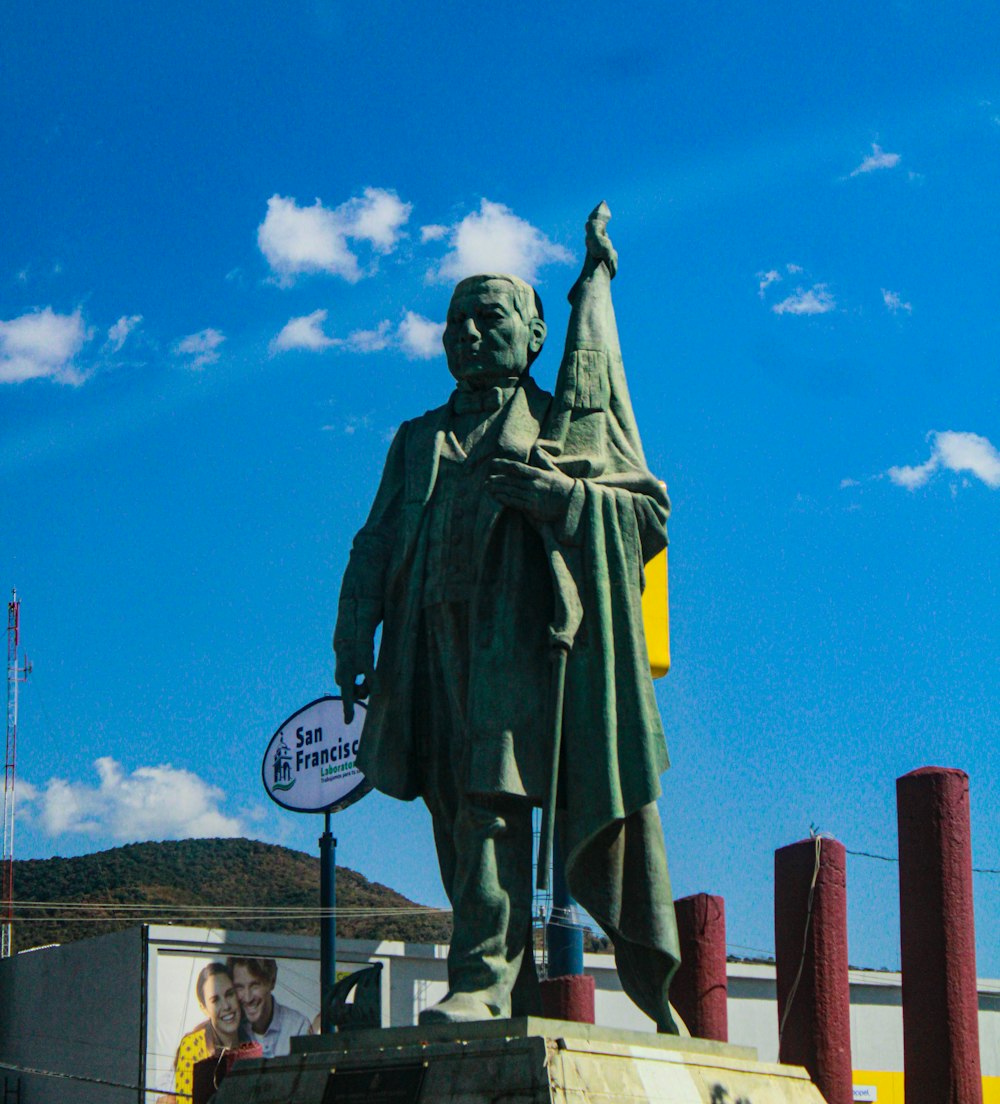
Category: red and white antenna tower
<point>15,674</point>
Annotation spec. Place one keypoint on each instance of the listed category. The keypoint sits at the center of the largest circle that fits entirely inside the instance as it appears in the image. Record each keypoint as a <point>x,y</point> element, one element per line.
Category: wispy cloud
<point>42,345</point>
<point>371,341</point>
<point>297,240</point>
<point>494,239</point>
<point>877,159</point>
<point>766,279</point>
<point>952,451</point>
<point>419,337</point>
<point>200,348</point>
<point>773,276</point>
<point>433,232</point>
<point>118,333</point>
<point>351,424</point>
<point>161,802</point>
<point>894,302</point>
<point>815,300</point>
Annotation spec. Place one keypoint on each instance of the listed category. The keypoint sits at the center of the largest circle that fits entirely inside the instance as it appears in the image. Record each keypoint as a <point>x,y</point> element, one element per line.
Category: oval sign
<point>309,764</point>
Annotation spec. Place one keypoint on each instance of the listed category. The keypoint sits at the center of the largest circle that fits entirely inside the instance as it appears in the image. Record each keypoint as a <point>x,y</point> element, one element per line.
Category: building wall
<point>90,1008</point>
<point>876,1017</point>
<point>74,1009</point>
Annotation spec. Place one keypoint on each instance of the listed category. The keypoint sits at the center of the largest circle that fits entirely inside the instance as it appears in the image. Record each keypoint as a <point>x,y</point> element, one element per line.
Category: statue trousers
<point>484,841</point>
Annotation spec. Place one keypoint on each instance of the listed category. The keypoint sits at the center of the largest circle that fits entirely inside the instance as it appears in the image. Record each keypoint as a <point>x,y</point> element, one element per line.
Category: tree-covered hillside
<point>219,883</point>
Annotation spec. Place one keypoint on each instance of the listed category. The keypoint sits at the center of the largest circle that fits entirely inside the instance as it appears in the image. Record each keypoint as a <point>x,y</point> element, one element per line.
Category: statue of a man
<point>509,530</point>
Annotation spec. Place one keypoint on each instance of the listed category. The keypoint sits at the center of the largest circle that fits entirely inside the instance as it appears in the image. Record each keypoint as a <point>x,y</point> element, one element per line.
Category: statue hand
<point>598,243</point>
<point>354,663</point>
<point>544,494</point>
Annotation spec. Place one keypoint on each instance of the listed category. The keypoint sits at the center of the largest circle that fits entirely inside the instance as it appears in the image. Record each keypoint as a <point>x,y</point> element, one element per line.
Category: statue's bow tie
<point>476,402</point>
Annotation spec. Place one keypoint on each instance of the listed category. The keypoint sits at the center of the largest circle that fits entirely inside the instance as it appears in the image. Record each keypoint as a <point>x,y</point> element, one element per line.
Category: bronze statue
<point>503,557</point>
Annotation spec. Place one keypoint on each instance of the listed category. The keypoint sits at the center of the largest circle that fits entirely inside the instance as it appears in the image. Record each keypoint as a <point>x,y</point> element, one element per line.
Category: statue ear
<point>536,335</point>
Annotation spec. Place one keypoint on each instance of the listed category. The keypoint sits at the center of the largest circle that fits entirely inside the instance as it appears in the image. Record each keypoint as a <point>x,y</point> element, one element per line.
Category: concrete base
<point>517,1061</point>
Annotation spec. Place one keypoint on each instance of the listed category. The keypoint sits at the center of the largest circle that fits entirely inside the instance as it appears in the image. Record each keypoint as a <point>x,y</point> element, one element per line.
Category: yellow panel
<point>889,1086</point>
<point>656,615</point>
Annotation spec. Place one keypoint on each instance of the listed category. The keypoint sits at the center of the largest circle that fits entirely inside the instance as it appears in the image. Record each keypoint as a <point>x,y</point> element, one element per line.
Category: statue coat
<point>613,743</point>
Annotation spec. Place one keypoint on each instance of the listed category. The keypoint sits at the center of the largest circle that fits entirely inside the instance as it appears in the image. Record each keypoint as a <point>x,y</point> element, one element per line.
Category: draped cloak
<point>613,742</point>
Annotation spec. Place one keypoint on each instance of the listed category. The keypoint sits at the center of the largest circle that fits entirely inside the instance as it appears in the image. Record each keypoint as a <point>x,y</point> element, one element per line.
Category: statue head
<point>494,331</point>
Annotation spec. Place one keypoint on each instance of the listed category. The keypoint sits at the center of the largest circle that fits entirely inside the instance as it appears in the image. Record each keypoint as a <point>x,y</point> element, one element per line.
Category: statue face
<point>485,339</point>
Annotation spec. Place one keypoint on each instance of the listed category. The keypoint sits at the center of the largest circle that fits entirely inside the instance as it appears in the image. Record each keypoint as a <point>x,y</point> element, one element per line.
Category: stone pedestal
<point>517,1061</point>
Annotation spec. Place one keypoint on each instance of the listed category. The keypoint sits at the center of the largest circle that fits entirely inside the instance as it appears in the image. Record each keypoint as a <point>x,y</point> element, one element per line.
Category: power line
<point>88,1080</point>
<point>895,859</point>
<point>344,910</point>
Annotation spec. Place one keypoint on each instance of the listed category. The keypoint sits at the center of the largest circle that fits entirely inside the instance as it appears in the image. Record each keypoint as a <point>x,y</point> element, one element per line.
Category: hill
<point>205,883</point>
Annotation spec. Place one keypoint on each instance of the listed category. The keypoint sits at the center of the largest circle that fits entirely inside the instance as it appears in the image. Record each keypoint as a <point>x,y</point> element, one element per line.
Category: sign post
<point>327,922</point>
<point>309,768</point>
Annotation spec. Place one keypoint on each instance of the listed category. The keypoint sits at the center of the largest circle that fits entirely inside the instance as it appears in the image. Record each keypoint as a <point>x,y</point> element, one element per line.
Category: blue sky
<point>228,241</point>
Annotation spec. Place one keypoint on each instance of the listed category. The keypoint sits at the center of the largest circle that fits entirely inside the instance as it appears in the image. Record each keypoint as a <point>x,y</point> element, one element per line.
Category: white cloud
<point>200,347</point>
<point>419,337</point>
<point>894,302</point>
<point>304,239</point>
<point>377,216</point>
<point>877,159</point>
<point>794,269</point>
<point>150,803</point>
<point>303,333</point>
<point>42,345</point>
<point>299,240</point>
<point>433,232</point>
<point>957,452</point>
<point>766,279</point>
<point>494,239</point>
<point>118,333</point>
<point>815,300</point>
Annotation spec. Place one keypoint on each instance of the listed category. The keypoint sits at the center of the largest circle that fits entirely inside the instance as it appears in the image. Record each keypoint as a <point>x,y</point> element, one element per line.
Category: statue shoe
<point>458,1008</point>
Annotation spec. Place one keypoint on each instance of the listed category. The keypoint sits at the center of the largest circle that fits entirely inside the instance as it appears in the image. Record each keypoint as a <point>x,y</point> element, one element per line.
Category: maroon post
<point>698,990</point>
<point>937,939</point>
<point>568,998</point>
<point>810,942</point>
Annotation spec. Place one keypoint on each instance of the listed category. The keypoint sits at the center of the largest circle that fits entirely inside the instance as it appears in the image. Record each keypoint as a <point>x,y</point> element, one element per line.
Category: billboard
<point>309,766</point>
<point>201,1003</point>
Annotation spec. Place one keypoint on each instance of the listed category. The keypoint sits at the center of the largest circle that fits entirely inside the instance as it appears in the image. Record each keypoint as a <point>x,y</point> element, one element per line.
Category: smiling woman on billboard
<point>223,1029</point>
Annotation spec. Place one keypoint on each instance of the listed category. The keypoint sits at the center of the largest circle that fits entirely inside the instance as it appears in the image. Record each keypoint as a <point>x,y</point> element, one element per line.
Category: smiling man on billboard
<point>272,1024</point>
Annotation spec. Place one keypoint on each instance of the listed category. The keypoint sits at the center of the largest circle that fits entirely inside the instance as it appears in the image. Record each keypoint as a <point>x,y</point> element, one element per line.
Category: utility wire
<point>228,910</point>
<point>805,941</point>
<point>88,1080</point>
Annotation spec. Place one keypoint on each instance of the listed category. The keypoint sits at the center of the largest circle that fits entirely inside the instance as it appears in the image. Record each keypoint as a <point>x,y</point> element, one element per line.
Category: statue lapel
<point>522,421</point>
<point>423,454</point>
<point>521,425</point>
